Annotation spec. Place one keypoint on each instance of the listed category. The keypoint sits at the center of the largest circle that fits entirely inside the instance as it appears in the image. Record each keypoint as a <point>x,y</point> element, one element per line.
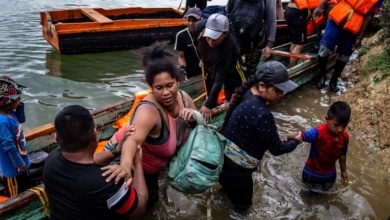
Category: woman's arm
<point>270,137</point>
<point>147,122</point>
<point>115,148</point>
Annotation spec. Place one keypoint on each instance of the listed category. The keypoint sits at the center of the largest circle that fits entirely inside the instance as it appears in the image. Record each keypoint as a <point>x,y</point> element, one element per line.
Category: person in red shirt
<point>329,143</point>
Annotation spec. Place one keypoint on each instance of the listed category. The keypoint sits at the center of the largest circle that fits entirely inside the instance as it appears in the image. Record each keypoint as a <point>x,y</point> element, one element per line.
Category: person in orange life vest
<point>324,10</point>
<point>346,31</point>
<point>185,45</point>
<point>155,121</point>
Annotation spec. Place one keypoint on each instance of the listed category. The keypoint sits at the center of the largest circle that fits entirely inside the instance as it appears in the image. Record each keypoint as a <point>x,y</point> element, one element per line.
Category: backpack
<point>246,18</point>
<point>199,161</point>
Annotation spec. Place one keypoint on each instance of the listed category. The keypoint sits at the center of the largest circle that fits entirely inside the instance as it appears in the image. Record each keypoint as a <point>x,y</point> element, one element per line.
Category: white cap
<point>216,25</point>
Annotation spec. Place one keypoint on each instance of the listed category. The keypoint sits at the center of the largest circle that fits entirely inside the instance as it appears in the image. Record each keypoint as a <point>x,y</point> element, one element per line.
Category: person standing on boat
<point>297,15</point>
<point>346,26</point>
<point>14,160</point>
<point>250,131</point>
<point>185,45</point>
<point>156,121</point>
<point>254,25</point>
<point>329,143</point>
<point>73,178</point>
<point>220,56</point>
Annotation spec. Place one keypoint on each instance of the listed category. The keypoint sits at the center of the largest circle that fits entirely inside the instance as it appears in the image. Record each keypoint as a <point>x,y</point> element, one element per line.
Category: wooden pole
<point>291,55</point>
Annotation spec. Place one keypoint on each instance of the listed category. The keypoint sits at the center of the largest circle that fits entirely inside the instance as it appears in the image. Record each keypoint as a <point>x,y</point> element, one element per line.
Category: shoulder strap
<point>183,98</point>
<point>164,134</point>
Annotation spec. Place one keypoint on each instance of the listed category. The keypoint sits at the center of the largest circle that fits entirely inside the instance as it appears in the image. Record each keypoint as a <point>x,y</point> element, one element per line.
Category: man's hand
<point>266,53</point>
<point>206,113</point>
<point>118,172</point>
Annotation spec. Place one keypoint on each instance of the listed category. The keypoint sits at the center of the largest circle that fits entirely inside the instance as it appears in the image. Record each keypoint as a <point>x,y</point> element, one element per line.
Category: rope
<point>41,193</point>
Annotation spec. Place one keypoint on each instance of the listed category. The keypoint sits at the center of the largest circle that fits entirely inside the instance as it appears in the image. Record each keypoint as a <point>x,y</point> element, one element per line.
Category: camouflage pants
<point>252,59</point>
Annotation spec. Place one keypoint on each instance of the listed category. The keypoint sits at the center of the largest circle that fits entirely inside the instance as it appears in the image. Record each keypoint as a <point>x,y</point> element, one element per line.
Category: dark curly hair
<point>156,59</point>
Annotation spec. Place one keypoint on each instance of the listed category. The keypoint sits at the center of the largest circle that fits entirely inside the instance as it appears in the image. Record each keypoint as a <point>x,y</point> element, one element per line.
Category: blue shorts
<point>318,183</point>
<point>335,35</point>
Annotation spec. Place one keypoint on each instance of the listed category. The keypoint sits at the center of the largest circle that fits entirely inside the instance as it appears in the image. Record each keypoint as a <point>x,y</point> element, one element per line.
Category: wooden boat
<point>32,203</point>
<point>89,30</point>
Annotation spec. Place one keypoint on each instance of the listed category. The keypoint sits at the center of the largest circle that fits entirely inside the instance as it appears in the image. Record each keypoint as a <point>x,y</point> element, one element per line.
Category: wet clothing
<point>156,152</point>
<point>251,127</point>
<point>220,66</point>
<point>79,191</point>
<point>325,150</point>
<point>186,42</point>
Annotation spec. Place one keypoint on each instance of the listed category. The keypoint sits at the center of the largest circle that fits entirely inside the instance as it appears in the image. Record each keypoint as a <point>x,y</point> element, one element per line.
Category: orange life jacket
<point>307,4</point>
<point>353,12</point>
<point>313,24</point>
<point>332,2</point>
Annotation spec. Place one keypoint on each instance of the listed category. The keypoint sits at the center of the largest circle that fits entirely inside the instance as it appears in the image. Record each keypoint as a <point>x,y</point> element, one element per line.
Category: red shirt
<point>325,149</point>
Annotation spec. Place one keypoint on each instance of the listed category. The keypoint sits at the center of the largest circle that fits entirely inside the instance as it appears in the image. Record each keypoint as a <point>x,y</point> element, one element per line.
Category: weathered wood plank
<point>96,16</point>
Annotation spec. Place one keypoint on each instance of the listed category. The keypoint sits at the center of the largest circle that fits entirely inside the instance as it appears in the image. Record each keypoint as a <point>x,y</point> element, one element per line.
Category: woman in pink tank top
<point>155,121</point>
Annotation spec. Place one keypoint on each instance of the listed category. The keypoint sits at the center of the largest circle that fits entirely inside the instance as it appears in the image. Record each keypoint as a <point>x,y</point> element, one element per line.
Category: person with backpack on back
<point>254,24</point>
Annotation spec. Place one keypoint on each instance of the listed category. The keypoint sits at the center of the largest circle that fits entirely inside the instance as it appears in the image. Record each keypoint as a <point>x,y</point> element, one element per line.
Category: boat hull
<point>91,30</point>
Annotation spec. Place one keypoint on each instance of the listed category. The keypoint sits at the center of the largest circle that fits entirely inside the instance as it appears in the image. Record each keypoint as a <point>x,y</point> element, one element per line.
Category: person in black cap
<point>250,130</point>
<point>14,161</point>
<point>185,45</point>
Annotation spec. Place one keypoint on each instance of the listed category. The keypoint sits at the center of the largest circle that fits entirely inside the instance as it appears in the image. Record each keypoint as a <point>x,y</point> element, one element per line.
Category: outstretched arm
<point>145,121</point>
<point>114,149</point>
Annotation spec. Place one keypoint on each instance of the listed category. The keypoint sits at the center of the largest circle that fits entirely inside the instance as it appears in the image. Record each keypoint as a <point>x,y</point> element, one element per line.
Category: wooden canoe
<point>90,30</point>
<point>28,205</point>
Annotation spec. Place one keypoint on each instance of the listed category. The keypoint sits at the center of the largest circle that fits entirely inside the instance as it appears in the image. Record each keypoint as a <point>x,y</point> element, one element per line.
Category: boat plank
<point>96,16</point>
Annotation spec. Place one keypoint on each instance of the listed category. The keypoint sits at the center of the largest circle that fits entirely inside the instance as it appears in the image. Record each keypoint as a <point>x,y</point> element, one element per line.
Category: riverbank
<point>370,100</point>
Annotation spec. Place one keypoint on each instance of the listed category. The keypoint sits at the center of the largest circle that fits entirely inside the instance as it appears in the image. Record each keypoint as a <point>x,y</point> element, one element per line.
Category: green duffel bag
<point>198,162</point>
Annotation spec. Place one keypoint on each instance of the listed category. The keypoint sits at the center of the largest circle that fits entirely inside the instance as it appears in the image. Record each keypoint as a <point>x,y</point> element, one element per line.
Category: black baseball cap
<point>275,73</point>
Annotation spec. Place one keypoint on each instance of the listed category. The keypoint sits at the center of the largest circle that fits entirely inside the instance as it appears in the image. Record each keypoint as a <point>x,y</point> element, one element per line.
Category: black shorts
<point>296,21</point>
<point>152,184</point>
